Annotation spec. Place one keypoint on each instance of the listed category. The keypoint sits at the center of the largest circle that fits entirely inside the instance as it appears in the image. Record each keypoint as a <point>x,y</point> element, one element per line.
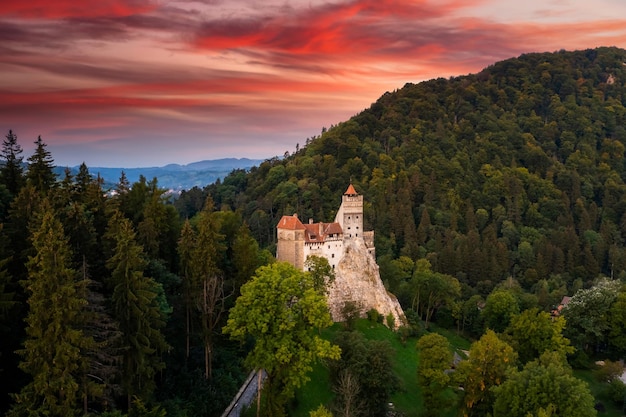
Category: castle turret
<point>350,214</point>
<point>291,237</point>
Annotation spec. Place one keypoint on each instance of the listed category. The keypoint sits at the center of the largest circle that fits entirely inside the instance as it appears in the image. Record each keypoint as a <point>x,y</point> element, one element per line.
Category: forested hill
<point>515,171</point>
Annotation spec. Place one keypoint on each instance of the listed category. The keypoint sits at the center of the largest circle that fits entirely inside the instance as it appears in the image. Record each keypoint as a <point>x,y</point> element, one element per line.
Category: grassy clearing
<point>407,400</point>
<point>599,391</point>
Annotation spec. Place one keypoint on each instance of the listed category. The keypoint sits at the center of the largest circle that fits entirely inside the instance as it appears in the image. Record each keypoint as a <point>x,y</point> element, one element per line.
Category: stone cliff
<point>357,280</point>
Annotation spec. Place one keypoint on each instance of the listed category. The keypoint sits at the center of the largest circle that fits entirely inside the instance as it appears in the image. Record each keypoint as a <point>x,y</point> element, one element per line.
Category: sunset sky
<point>130,83</point>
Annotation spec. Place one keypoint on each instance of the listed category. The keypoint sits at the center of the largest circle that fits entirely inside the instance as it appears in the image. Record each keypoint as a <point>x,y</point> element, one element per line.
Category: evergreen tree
<point>208,281</point>
<point>101,379</point>
<point>53,351</point>
<point>136,308</point>
<point>40,168</point>
<point>186,250</point>
<point>12,172</point>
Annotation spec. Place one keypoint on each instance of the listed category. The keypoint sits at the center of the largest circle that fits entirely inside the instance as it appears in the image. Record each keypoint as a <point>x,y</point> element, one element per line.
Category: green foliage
<point>374,316</point>
<point>281,309</point>
<point>53,353</point>
<point>321,411</point>
<point>617,324</point>
<point>435,359</point>
<point>363,379</point>
<point>490,359</point>
<point>432,290</point>
<point>321,272</point>
<point>534,332</point>
<point>40,168</point>
<point>617,392</point>
<point>543,383</point>
<point>500,307</point>
<point>136,308</point>
<point>12,172</point>
<point>586,314</point>
<point>514,171</point>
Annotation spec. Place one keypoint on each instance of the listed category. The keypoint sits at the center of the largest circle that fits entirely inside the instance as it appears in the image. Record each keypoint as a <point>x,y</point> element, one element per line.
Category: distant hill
<point>173,176</point>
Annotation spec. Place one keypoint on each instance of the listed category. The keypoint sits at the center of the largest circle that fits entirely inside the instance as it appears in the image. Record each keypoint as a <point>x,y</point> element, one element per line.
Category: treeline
<point>111,305</point>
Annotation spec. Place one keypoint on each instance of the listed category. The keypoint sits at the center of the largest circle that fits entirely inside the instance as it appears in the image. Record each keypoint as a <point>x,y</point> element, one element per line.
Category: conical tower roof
<point>350,191</point>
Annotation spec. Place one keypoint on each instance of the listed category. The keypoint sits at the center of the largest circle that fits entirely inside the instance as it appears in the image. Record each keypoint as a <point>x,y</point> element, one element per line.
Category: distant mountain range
<point>173,176</point>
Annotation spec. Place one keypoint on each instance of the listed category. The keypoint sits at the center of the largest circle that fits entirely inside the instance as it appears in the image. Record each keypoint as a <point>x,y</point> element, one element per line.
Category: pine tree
<point>211,282</point>
<point>40,168</point>
<point>52,352</point>
<point>136,308</point>
<point>101,380</point>
<point>186,251</point>
<point>12,172</point>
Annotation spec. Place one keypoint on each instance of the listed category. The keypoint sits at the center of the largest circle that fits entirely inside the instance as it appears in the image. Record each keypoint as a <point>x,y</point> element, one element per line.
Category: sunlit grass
<point>407,400</point>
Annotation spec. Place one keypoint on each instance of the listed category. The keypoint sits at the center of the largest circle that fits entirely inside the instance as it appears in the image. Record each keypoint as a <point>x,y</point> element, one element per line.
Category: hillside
<point>515,171</point>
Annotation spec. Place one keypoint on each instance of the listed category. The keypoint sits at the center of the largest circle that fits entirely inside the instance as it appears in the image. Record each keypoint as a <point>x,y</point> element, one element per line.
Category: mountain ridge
<point>171,176</point>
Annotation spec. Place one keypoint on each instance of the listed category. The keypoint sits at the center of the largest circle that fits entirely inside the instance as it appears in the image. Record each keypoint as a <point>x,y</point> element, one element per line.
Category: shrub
<point>374,316</point>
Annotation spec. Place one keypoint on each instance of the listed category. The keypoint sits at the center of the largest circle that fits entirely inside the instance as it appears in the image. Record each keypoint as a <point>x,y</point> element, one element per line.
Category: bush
<point>374,316</point>
<point>617,392</point>
<point>580,360</point>
<point>350,313</point>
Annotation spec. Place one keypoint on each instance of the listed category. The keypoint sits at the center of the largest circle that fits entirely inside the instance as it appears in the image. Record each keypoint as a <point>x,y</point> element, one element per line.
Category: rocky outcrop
<point>357,280</point>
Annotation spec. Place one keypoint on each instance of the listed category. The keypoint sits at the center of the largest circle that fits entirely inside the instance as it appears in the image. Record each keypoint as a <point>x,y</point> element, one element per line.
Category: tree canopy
<point>281,310</point>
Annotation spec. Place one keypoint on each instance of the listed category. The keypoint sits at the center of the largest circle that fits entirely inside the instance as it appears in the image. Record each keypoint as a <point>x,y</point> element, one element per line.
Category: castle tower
<point>350,214</point>
<point>291,237</point>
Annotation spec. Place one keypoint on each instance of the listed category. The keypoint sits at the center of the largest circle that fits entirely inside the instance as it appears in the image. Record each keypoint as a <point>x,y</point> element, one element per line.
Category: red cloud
<point>344,28</point>
<point>57,9</point>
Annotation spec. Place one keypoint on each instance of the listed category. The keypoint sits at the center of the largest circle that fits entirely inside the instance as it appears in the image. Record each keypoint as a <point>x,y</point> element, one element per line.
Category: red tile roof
<point>333,229</point>
<point>291,223</point>
<point>350,191</point>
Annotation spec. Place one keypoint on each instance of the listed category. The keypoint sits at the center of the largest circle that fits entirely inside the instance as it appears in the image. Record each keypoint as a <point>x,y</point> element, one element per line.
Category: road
<point>246,396</point>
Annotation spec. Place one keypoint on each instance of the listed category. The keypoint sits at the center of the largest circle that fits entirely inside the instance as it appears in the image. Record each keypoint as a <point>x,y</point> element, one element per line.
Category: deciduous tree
<point>534,332</point>
<point>431,290</point>
<point>543,384</point>
<point>586,314</point>
<point>435,359</point>
<point>500,307</point>
<point>489,360</point>
<point>281,310</point>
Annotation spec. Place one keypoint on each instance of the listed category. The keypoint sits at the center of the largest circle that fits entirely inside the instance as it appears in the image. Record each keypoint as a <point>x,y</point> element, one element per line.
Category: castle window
<point>328,246</point>
<point>333,255</point>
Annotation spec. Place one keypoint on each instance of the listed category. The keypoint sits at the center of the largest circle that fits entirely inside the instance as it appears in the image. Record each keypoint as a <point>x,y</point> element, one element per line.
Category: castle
<point>297,241</point>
